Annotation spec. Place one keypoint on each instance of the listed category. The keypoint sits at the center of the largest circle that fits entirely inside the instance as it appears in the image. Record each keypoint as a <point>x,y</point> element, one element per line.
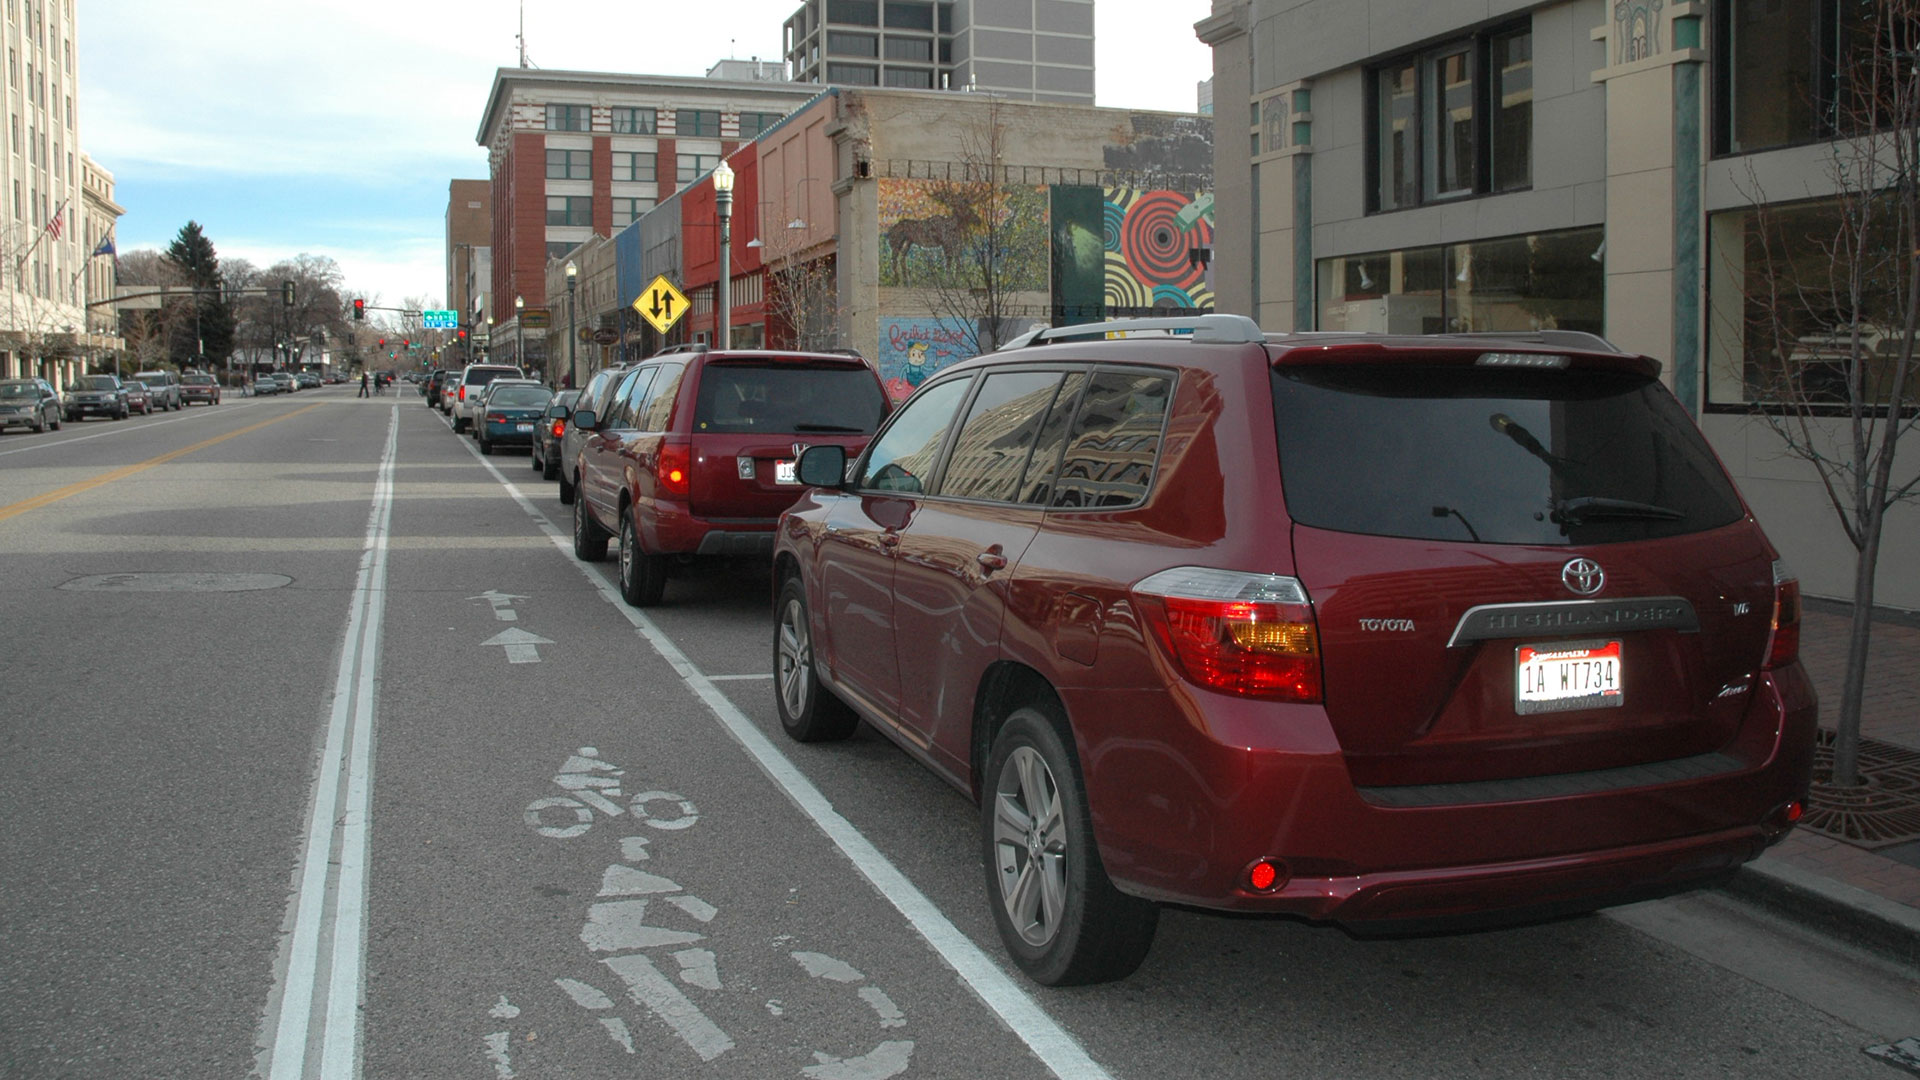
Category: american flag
<point>54,224</point>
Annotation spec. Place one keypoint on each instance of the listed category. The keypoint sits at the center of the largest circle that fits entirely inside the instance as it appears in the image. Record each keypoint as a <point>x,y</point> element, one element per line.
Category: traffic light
<point>359,310</point>
<point>406,344</point>
<point>383,343</point>
<point>463,335</point>
<point>286,293</point>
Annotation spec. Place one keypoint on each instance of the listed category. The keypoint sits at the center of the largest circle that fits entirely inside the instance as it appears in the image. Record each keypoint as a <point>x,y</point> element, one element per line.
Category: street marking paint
<point>497,1053</point>
<point>887,1059</point>
<point>1058,1050</point>
<point>44,444</point>
<point>883,1007</point>
<point>738,678</point>
<point>502,604</point>
<point>648,987</point>
<point>583,995</point>
<point>699,967</point>
<point>504,1009</point>
<point>329,903</point>
<point>81,486</point>
<point>522,647</point>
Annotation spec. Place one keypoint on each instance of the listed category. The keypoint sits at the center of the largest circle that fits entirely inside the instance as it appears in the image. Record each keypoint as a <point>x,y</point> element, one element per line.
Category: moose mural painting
<point>936,233</point>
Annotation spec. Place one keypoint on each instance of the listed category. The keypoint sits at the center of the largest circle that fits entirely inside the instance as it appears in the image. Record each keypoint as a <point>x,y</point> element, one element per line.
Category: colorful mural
<point>911,350</point>
<point>1150,239</point>
<point>931,232</point>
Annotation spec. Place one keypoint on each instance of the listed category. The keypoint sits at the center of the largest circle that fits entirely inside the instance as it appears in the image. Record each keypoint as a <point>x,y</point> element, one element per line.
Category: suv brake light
<point>1783,644</point>
<point>463,393</point>
<point>673,468</point>
<point>559,428</point>
<point>1249,634</point>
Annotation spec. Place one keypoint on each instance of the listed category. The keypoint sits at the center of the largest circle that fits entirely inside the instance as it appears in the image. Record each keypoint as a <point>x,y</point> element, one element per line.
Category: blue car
<point>509,415</point>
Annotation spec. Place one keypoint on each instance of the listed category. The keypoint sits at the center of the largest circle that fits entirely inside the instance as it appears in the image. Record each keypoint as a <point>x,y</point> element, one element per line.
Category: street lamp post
<point>573,367</point>
<point>723,291</point>
<point>519,333</point>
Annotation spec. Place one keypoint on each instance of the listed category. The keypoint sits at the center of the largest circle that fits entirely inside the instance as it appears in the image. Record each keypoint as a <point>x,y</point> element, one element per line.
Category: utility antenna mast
<point>521,37</point>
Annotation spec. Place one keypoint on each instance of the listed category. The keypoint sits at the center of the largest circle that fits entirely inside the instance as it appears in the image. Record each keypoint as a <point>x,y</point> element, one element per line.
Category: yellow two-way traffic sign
<point>661,304</point>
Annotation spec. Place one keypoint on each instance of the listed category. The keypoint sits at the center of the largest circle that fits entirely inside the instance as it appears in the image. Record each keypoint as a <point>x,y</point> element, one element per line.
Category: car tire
<point>459,425</point>
<point>40,423</point>
<point>566,491</point>
<point>643,576</point>
<point>589,539</point>
<point>549,469</point>
<point>55,421</point>
<point>485,446</point>
<point>809,712</point>
<point>533,457</point>
<point>1075,928</point>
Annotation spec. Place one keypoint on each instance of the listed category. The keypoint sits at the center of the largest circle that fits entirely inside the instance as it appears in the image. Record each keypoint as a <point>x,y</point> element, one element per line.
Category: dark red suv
<point>695,452</point>
<point>1396,631</point>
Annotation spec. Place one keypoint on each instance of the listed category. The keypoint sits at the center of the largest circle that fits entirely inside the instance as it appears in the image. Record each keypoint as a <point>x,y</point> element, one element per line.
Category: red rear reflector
<point>1248,634</point>
<point>1795,811</point>
<point>1783,647</point>
<point>1266,875</point>
<point>496,418</point>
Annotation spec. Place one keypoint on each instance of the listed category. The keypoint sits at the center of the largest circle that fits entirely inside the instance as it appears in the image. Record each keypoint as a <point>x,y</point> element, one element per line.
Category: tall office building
<point>42,317</point>
<point>1033,50</point>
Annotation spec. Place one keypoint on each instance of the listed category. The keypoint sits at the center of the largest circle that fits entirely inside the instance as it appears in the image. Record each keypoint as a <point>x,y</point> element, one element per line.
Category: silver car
<point>31,403</point>
<point>472,379</point>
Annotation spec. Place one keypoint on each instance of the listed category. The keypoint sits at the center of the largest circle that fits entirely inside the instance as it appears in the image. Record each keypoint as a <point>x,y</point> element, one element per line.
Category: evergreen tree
<point>211,323</point>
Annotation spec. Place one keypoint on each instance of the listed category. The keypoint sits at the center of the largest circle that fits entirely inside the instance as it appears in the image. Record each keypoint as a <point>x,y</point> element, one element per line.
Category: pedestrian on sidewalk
<point>363,385</point>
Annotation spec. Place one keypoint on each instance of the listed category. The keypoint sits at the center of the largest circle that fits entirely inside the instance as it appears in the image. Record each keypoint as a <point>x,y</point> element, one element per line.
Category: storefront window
<point>1545,281</point>
<point>1781,326</point>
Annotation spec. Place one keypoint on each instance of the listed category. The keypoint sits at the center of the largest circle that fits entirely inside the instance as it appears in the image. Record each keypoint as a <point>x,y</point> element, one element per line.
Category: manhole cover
<point>177,582</point>
<point>1884,810</point>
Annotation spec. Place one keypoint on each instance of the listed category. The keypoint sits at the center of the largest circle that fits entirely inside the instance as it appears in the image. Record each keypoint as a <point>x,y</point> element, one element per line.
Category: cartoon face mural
<point>934,234</point>
<point>912,350</point>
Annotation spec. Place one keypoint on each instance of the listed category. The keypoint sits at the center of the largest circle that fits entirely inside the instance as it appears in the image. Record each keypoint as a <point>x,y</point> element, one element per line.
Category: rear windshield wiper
<point>831,429</point>
<point>1594,508</point>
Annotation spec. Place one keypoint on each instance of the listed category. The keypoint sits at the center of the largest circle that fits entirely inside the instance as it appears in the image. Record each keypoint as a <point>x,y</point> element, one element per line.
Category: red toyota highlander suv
<point>695,453</point>
<point>1391,631</point>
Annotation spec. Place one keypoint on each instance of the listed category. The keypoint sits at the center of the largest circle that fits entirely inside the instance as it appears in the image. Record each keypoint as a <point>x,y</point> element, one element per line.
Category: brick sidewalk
<point>1890,712</point>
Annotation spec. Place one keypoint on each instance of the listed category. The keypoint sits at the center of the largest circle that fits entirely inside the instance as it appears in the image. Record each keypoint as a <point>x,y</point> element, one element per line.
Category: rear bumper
<point>1183,812</point>
<point>669,528</point>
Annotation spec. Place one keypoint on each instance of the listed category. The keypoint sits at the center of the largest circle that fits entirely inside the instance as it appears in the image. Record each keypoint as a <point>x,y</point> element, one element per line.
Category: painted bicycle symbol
<point>593,785</point>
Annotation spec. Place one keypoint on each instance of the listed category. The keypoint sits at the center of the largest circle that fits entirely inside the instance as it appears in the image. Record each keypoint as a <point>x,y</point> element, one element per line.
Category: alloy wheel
<point>795,658</point>
<point>1030,846</point>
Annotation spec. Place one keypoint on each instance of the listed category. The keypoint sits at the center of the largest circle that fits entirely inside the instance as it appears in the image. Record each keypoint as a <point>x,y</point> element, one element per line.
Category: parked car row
<point>1396,632</point>
<point>34,403</point>
<point>283,382</point>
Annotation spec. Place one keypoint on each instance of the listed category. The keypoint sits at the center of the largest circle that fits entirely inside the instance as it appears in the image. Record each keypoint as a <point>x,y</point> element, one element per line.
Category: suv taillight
<point>559,428</point>
<point>673,467</point>
<point>1248,634</point>
<point>463,393</point>
<point>1783,645</point>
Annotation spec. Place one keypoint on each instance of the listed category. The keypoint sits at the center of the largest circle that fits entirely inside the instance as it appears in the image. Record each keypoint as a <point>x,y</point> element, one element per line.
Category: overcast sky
<point>290,126</point>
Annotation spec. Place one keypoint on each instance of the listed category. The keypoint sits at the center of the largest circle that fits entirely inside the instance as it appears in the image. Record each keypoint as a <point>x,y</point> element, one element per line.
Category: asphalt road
<point>321,755</point>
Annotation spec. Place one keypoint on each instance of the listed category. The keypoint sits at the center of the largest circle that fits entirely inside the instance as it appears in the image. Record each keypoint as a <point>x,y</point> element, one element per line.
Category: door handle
<point>991,561</point>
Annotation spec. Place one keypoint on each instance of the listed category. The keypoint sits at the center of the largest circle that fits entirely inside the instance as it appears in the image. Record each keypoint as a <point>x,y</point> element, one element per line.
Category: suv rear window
<point>96,382</point>
<point>483,376</point>
<point>746,398</point>
<point>197,380</point>
<point>1508,456</point>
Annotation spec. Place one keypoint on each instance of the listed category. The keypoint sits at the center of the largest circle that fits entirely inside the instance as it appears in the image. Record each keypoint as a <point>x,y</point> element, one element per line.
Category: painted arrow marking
<point>502,604</point>
<point>522,647</point>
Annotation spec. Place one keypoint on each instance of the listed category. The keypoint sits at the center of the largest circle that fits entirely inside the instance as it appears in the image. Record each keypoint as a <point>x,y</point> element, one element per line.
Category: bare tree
<point>991,239</point>
<point>1831,310</point>
<point>803,294</point>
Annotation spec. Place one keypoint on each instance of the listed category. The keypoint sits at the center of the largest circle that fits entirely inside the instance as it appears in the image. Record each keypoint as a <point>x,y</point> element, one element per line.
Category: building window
<point>1443,129</point>
<point>558,249</point>
<point>912,49</point>
<point>911,78</point>
<point>753,123</point>
<point>1780,324</point>
<point>1545,281</point>
<point>628,211</point>
<point>841,43</point>
<point>569,164</point>
<point>569,118</point>
<point>691,166</point>
<point>854,12</point>
<point>697,123</point>
<point>853,74</point>
<point>634,121</point>
<point>1783,70</point>
<point>909,15</point>
<point>570,210</point>
<point>636,165</point>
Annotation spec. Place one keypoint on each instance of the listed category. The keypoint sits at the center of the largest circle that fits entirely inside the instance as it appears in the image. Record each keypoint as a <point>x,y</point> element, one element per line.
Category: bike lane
<point>575,868</point>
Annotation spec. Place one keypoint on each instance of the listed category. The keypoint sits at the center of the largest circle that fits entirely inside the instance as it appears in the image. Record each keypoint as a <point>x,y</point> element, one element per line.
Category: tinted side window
<point>902,457</point>
<point>658,410</point>
<point>633,397</point>
<point>999,432</point>
<point>1036,487</point>
<point>600,391</point>
<point>619,414</point>
<point>1115,442</point>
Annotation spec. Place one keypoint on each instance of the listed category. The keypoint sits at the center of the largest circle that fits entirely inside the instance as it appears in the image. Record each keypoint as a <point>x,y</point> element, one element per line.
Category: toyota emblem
<point>1583,577</point>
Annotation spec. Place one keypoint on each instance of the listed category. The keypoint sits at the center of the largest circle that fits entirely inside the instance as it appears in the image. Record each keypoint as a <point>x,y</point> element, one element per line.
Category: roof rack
<point>1210,329</point>
<point>692,346</point>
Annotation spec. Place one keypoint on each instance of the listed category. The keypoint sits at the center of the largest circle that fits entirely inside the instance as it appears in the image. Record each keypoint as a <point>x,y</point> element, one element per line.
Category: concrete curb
<point>1854,915</point>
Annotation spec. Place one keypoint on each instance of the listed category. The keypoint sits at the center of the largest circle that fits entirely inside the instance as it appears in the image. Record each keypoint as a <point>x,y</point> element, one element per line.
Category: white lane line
<point>1059,1051</point>
<point>738,678</point>
<point>330,903</point>
<point>122,430</point>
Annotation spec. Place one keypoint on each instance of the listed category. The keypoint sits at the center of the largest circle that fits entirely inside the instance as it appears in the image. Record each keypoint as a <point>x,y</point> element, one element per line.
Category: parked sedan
<point>197,387</point>
<point>139,397</point>
<point>265,384</point>
<point>545,455</point>
<point>510,414</point>
<point>96,395</point>
<point>29,403</point>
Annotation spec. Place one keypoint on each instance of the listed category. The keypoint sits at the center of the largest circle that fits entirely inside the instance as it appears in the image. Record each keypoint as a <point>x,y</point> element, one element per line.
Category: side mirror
<point>824,466</point>
<point>585,420</point>
<point>558,412</point>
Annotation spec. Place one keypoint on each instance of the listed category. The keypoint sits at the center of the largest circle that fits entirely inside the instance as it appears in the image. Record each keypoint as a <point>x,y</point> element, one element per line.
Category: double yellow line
<point>54,496</point>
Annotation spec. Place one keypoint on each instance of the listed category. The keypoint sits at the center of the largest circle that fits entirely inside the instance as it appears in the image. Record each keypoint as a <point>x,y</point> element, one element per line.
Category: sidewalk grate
<point>1883,811</point>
